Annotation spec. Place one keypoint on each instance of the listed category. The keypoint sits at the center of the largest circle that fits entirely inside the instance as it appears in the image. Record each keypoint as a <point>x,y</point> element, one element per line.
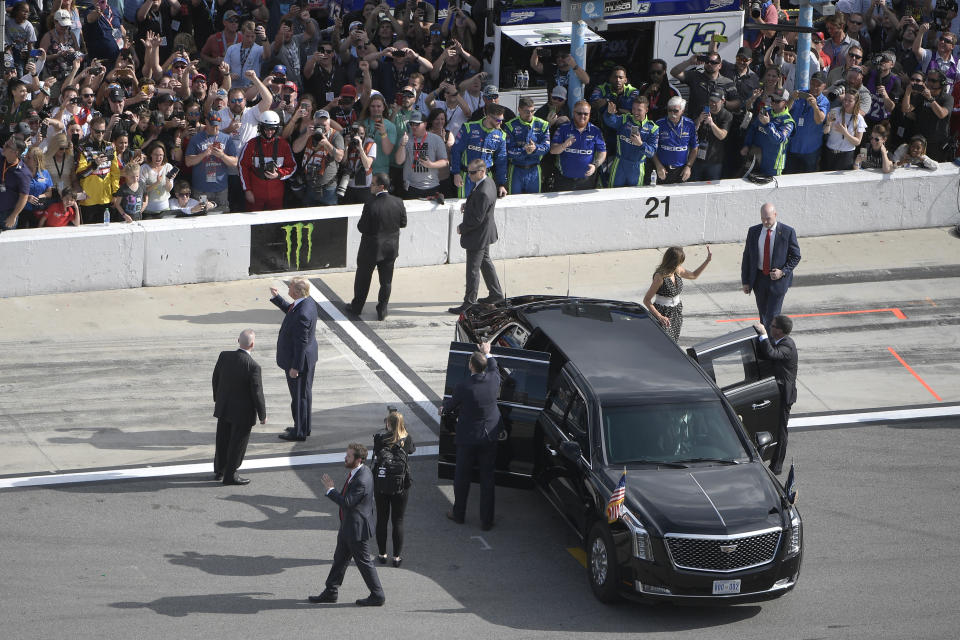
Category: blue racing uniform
<point>623,100</point>
<point>574,160</point>
<point>772,138</point>
<point>476,141</point>
<point>523,176</point>
<point>675,142</point>
<point>628,168</point>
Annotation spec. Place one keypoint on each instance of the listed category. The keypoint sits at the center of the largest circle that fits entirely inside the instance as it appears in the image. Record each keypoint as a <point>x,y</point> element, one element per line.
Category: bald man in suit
<point>238,398</point>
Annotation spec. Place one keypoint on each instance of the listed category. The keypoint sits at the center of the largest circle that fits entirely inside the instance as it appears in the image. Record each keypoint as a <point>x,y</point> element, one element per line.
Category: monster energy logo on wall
<point>298,246</point>
<point>299,227</point>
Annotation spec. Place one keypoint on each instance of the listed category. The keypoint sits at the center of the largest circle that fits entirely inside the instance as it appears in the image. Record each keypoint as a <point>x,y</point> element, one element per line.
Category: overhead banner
<point>546,35</point>
<point>298,246</point>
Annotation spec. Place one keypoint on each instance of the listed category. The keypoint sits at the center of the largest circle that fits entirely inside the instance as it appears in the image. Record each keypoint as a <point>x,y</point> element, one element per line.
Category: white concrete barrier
<point>85,258</point>
<point>641,218</point>
<point>219,248</point>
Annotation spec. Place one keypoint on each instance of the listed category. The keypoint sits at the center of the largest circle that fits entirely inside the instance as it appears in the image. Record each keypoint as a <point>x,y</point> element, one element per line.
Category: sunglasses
<point>236,100</point>
<point>475,171</point>
<point>557,98</point>
<point>717,61</point>
<point>184,194</point>
<point>854,23</point>
<point>947,40</point>
<point>933,80</point>
<point>100,131</point>
<point>87,95</point>
<point>856,56</point>
<point>326,52</point>
<point>876,139</point>
<point>179,67</point>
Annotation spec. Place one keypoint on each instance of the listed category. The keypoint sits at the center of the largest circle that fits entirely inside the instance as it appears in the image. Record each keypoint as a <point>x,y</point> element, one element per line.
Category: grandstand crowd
<point>129,109</point>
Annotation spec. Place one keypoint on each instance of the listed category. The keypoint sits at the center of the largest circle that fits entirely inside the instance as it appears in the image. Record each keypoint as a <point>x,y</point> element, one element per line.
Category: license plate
<point>725,587</point>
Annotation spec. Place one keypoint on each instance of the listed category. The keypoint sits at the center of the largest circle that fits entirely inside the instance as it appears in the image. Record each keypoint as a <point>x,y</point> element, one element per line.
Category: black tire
<point>602,566</point>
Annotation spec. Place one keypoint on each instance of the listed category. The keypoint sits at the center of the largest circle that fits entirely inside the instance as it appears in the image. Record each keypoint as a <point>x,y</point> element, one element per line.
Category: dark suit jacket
<point>784,357</point>
<point>476,398</point>
<point>357,504</point>
<point>237,389</point>
<point>380,224</point>
<point>478,228</point>
<point>785,256</point>
<point>297,341</point>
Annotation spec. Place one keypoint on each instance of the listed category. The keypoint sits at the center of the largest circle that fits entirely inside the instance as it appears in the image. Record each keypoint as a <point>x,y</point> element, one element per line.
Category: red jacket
<point>256,153</point>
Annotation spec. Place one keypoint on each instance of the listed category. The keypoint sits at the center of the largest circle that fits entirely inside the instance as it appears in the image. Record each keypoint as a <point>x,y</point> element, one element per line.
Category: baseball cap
<point>855,67</point>
<point>355,24</point>
<point>290,85</point>
<point>280,70</point>
<point>199,76</point>
<point>348,91</point>
<point>783,94</point>
<point>889,56</point>
<point>407,92</point>
<point>559,92</point>
<point>491,91</point>
<point>321,114</point>
<point>165,97</point>
<point>231,15</point>
<point>32,115</point>
<point>62,18</point>
<point>416,117</point>
<point>116,94</point>
<point>221,93</point>
<point>716,95</point>
<point>213,116</point>
<point>745,52</point>
<point>817,35</point>
<point>820,77</point>
<point>179,59</point>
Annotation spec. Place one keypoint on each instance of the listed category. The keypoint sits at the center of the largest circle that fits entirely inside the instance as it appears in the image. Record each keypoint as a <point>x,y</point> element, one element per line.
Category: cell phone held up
<point>172,173</point>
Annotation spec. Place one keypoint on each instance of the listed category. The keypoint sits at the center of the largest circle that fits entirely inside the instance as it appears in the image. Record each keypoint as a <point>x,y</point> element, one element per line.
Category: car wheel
<point>602,566</point>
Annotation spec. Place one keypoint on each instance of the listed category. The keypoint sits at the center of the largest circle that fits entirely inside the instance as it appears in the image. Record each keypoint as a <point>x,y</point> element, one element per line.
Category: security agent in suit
<point>380,223</point>
<point>238,398</point>
<point>782,351</point>
<point>297,353</point>
<point>769,279</point>
<point>477,232</point>
<point>356,529</point>
<point>478,428</point>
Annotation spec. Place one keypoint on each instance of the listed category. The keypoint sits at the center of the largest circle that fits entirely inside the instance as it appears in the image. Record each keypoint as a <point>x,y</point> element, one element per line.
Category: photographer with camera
<point>454,65</point>
<point>323,149</point>
<point>931,114</point>
<point>266,162</point>
<point>761,12</point>
<point>98,170</point>
<point>61,45</point>
<point>212,153</point>
<point>941,58</point>
<point>809,110</point>
<point>885,88</point>
<point>325,79</point>
<point>356,169</point>
<point>768,135</point>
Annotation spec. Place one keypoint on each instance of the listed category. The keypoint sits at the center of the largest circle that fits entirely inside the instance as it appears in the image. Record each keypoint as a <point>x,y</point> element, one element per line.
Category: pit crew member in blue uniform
<point>768,135</point>
<point>677,144</point>
<point>636,142</point>
<point>580,151</point>
<point>528,140</point>
<point>481,139</point>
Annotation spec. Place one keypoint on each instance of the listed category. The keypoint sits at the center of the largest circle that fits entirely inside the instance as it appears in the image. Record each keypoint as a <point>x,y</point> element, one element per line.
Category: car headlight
<point>639,537</point>
<point>795,537</point>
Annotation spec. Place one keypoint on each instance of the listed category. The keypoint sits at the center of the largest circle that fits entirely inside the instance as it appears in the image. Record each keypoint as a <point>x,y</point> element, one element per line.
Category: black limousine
<point>595,387</point>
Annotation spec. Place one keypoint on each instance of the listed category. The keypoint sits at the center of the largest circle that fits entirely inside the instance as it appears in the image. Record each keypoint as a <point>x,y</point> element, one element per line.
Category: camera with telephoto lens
<point>342,184</point>
<point>319,134</point>
<point>756,8</point>
<point>354,135</point>
<point>941,13</point>
<point>835,92</point>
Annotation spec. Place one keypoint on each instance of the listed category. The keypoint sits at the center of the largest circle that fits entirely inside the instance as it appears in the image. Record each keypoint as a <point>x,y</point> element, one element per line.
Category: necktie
<point>343,491</point>
<point>766,253</point>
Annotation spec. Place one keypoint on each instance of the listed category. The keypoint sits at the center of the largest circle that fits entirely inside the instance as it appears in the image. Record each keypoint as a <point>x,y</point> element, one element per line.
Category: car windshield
<point>670,433</point>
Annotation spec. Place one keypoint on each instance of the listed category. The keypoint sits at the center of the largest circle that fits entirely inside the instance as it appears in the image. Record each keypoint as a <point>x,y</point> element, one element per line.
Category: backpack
<point>390,475</point>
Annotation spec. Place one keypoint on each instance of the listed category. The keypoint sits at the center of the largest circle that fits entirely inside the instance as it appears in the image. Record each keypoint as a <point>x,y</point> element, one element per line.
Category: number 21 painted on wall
<point>695,37</point>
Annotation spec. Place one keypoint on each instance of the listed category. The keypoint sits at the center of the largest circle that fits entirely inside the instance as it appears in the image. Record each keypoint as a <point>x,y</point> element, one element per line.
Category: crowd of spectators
<point>126,109</point>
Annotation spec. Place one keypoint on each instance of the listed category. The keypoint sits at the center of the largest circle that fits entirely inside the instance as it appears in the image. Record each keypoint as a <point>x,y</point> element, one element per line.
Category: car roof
<point>620,350</point>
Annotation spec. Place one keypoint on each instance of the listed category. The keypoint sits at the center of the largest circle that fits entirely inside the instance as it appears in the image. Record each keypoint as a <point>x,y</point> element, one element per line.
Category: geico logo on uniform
<point>666,147</point>
<point>580,152</point>
<point>472,147</point>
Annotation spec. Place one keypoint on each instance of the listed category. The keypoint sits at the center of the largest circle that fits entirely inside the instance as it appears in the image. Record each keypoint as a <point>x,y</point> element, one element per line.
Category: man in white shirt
<point>241,122</point>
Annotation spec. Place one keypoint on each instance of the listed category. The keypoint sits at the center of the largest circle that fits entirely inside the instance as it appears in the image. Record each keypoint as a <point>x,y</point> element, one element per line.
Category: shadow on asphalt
<point>180,606</point>
<point>233,565</point>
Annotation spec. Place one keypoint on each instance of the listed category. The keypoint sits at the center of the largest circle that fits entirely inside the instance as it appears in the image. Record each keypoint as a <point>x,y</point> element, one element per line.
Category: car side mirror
<point>570,450</point>
<point>764,442</point>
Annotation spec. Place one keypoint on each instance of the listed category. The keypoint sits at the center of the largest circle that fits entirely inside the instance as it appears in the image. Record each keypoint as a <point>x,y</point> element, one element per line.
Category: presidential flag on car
<point>790,486</point>
<point>615,503</point>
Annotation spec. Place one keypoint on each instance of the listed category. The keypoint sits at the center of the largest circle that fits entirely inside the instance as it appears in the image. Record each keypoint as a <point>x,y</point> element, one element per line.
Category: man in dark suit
<point>477,232</point>
<point>356,529</point>
<point>769,258</point>
<point>238,401</point>
<point>478,427</point>
<point>782,351</point>
<point>379,225</point>
<point>297,353</point>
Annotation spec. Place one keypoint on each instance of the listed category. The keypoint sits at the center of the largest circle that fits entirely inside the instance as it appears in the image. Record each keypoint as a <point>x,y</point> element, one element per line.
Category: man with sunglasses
<point>99,171</point>
<point>658,89</point>
<point>838,72</point>
<point>528,141</point>
<point>485,140</point>
<point>677,144</point>
<point>941,59</point>
<point>581,150</point>
<point>770,132</point>
<point>240,122</point>
<point>14,182</point>
<point>932,116</point>
<point>266,162</point>
<point>885,88</point>
<point>211,153</point>
<point>703,83</point>
<point>215,48</point>
<point>636,142</point>
<point>324,79</point>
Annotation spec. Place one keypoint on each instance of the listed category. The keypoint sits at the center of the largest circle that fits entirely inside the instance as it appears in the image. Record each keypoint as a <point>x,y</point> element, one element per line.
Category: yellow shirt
<point>99,185</point>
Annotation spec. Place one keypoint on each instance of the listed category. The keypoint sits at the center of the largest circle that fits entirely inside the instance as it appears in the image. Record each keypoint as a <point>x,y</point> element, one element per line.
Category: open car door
<point>522,393</point>
<point>745,379</point>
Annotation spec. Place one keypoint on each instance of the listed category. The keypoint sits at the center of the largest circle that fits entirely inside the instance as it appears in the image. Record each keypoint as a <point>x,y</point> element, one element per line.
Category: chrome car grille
<point>723,553</point>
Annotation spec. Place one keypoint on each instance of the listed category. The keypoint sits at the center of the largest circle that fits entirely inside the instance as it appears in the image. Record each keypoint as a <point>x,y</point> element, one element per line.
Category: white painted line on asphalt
<point>375,354</point>
<point>282,462</point>
<point>874,416</point>
<point>483,543</point>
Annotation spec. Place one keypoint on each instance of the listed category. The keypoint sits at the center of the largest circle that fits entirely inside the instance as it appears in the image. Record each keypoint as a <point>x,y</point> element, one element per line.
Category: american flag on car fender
<point>615,503</point>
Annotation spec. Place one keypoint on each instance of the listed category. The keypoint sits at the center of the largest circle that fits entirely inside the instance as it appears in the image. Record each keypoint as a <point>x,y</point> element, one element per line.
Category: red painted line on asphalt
<point>919,379</point>
<point>897,313</point>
